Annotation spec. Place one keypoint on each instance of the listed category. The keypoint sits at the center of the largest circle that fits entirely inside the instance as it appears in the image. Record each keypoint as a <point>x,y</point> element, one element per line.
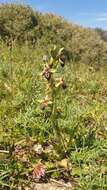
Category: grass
<point>83,122</point>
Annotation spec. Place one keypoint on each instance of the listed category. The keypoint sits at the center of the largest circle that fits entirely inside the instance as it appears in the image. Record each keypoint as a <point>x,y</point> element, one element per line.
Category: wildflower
<point>45,102</point>
<point>47,72</point>
<point>38,171</point>
<point>61,83</point>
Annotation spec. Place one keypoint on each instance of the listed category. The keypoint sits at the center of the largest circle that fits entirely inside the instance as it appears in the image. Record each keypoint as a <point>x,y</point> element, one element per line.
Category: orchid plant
<point>55,85</point>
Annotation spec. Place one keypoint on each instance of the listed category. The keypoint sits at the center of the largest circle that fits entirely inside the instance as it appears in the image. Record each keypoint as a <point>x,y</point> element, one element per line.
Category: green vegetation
<point>75,150</point>
<point>103,33</point>
<point>16,21</point>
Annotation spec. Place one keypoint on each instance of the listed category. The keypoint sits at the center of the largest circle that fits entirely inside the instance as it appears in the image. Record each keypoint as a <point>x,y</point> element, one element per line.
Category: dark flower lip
<point>62,64</point>
<point>47,72</point>
<point>64,86</point>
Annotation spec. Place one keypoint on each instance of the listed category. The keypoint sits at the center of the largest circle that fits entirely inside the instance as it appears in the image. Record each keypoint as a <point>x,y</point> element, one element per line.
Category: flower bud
<point>62,60</point>
<point>62,63</point>
<point>64,86</point>
<point>45,58</point>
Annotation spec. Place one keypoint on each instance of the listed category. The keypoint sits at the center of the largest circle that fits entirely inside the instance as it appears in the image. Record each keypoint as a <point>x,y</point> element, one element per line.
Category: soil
<point>55,185</point>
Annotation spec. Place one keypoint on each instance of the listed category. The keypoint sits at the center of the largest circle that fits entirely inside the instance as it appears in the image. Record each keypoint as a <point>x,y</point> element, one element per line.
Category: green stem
<point>54,118</point>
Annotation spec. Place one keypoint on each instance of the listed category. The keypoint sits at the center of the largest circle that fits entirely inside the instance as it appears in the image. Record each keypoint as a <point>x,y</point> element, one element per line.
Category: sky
<point>88,13</point>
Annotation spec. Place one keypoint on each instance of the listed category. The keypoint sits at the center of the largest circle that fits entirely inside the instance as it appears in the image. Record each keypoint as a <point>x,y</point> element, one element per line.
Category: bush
<point>16,21</point>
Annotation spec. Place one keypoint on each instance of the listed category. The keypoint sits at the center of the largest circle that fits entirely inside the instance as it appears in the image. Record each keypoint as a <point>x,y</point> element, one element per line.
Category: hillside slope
<point>21,23</point>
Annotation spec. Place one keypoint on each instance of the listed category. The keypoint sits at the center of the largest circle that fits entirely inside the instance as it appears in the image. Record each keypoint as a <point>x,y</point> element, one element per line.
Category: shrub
<point>16,21</point>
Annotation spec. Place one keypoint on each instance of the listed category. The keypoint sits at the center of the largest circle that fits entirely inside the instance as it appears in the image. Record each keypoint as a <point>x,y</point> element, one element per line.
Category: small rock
<point>38,149</point>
